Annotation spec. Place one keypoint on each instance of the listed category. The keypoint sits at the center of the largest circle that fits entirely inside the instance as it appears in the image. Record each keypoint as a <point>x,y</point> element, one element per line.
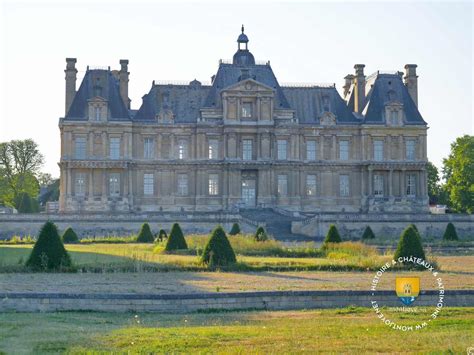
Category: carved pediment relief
<point>248,85</point>
<point>327,119</point>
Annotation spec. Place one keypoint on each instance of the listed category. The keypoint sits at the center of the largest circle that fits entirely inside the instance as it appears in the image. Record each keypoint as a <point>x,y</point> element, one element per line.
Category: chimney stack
<point>359,88</point>
<point>71,76</point>
<point>411,82</point>
<point>123,79</point>
<point>349,78</point>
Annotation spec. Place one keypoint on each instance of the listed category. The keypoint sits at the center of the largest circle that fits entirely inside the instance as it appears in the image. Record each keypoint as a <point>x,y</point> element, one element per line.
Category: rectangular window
<point>98,113</point>
<point>213,184</point>
<point>344,150</point>
<point>114,148</point>
<point>182,149</point>
<point>148,148</point>
<point>378,150</point>
<point>182,184</point>
<point>282,185</point>
<point>344,185</point>
<point>247,149</point>
<point>394,118</point>
<point>311,185</point>
<point>410,149</point>
<point>148,184</point>
<point>311,150</point>
<point>80,148</point>
<point>213,148</point>
<point>281,149</point>
<point>114,184</point>
<point>80,184</point>
<point>246,110</point>
<point>411,185</point>
<point>378,185</point>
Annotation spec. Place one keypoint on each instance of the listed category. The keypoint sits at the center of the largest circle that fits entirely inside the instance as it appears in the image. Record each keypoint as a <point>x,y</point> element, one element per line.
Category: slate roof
<point>184,101</point>
<point>100,83</point>
<point>230,74</point>
<point>383,88</point>
<point>311,102</point>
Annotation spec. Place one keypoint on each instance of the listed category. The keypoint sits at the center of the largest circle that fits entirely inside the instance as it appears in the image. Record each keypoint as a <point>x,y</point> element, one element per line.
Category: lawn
<point>135,257</point>
<point>346,330</point>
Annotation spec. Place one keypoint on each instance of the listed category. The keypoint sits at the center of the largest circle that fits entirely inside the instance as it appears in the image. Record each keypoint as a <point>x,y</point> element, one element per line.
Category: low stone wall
<point>183,303</point>
<point>388,225</point>
<point>120,224</point>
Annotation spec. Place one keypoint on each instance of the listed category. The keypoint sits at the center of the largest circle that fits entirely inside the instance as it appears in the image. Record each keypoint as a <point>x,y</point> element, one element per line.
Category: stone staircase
<point>277,224</point>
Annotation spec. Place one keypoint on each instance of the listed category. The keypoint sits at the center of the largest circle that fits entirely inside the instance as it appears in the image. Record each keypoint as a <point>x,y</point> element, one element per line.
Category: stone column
<point>390,183</point>
<point>371,182</point>
<point>69,182</point>
<point>334,148</point>
<point>403,183</point>
<point>91,145</point>
<point>104,184</point>
<point>91,184</point>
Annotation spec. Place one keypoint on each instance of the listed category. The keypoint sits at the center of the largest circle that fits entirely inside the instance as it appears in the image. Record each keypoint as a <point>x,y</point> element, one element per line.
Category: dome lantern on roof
<point>243,57</point>
<point>242,39</point>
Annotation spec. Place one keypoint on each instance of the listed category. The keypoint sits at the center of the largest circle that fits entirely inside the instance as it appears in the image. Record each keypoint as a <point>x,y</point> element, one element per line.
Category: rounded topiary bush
<point>145,235</point>
<point>333,235</point>
<point>260,235</point>
<point>450,232</point>
<point>235,229</point>
<point>368,233</point>
<point>410,244</point>
<point>70,236</point>
<point>218,251</point>
<point>48,252</point>
<point>176,239</point>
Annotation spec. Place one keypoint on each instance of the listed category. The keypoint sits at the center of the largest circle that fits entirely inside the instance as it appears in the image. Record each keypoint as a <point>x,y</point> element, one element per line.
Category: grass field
<point>137,257</point>
<point>347,330</point>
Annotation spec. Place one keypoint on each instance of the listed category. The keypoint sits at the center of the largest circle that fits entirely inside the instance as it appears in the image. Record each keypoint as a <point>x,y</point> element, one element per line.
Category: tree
<point>176,239</point>
<point>260,235</point>
<point>458,171</point>
<point>410,244</point>
<point>450,232</point>
<point>218,251</point>
<point>48,252</point>
<point>235,229</point>
<point>161,236</point>
<point>20,161</point>
<point>70,236</point>
<point>368,233</point>
<point>434,188</point>
<point>333,235</point>
<point>145,235</point>
<point>24,203</point>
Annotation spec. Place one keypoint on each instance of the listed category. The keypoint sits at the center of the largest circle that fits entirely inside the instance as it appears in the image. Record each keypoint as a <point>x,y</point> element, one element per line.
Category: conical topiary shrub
<point>48,252</point>
<point>218,251</point>
<point>333,235</point>
<point>145,235</point>
<point>450,232</point>
<point>260,235</point>
<point>161,235</point>
<point>235,229</point>
<point>70,236</point>
<point>368,233</point>
<point>409,244</point>
<point>176,239</point>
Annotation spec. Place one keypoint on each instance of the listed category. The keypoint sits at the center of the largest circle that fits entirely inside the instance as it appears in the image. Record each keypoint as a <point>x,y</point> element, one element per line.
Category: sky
<point>306,42</point>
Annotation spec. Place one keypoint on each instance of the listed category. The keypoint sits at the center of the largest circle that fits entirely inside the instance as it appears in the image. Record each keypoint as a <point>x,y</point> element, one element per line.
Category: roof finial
<point>242,28</point>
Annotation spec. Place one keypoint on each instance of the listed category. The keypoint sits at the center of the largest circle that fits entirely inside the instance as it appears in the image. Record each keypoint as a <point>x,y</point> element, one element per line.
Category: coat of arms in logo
<point>408,289</point>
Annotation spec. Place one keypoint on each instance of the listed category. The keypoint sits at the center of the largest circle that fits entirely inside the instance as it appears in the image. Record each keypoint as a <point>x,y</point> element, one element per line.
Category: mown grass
<point>346,330</point>
<point>135,257</point>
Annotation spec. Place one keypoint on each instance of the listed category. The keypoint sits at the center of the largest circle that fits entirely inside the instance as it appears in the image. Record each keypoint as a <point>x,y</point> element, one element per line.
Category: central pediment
<point>248,86</point>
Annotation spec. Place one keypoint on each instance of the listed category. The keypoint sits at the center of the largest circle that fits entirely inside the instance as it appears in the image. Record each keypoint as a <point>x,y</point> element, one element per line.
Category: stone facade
<point>244,140</point>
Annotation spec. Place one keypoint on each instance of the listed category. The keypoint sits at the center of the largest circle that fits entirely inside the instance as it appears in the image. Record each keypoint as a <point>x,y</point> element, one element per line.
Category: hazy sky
<point>305,42</point>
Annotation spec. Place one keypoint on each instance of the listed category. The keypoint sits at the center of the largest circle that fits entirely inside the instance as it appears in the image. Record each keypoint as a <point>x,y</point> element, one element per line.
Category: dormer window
<point>394,118</point>
<point>246,110</point>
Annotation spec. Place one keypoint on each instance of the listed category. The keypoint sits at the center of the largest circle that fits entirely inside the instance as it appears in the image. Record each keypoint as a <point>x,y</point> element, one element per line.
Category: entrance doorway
<point>248,192</point>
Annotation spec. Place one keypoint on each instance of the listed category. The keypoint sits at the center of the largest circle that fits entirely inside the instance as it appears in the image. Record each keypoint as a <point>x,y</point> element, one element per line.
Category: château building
<point>244,140</point>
